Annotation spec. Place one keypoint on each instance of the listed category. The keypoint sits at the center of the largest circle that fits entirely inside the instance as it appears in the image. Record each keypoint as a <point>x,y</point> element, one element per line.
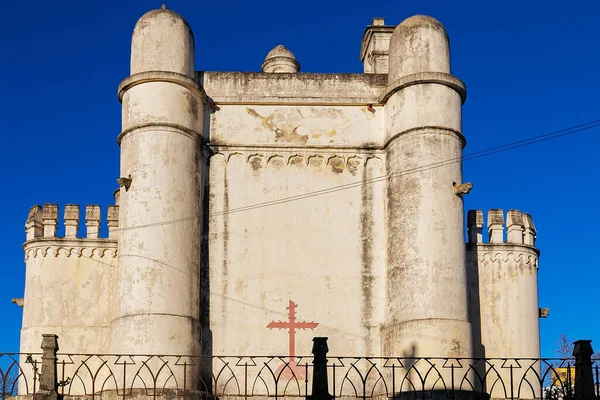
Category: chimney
<point>375,48</point>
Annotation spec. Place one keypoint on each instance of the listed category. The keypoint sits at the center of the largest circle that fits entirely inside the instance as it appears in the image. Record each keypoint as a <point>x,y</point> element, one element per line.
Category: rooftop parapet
<point>42,221</point>
<point>519,227</point>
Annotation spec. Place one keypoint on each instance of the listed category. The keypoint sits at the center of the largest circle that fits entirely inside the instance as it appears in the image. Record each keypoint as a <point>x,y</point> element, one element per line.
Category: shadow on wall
<point>206,337</point>
<point>475,318</point>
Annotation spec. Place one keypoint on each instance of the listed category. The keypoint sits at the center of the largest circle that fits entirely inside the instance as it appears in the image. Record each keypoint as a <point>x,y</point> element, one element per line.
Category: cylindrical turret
<point>162,41</point>
<point>419,44</point>
<point>157,284</point>
<point>426,304</point>
<point>504,297</point>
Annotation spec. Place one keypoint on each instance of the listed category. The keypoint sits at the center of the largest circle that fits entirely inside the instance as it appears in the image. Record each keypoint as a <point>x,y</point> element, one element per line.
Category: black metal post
<point>320,386</point>
<point>584,375</point>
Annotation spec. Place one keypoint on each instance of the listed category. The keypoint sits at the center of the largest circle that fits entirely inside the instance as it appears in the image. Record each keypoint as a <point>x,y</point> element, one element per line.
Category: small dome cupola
<point>280,60</point>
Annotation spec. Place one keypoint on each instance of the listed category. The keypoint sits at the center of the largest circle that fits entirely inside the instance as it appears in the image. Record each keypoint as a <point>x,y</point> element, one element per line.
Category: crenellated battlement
<point>68,276</point>
<point>42,222</point>
<point>519,227</point>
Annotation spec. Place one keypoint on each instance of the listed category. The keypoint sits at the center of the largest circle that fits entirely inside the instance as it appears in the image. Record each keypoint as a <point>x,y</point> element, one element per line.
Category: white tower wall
<point>426,302</point>
<point>157,284</point>
<point>503,275</point>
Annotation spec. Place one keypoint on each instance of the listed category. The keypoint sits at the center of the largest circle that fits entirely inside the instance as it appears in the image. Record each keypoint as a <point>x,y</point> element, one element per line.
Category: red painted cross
<point>291,325</point>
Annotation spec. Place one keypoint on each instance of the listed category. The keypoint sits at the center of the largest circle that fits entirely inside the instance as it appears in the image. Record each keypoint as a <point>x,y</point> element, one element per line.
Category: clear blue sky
<point>530,68</point>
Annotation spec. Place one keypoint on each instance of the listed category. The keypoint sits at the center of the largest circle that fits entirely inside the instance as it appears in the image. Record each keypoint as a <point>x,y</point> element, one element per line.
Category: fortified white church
<point>259,209</point>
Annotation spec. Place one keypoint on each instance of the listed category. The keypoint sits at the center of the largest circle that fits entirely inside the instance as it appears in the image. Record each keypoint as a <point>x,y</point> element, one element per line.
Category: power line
<point>536,139</point>
<point>468,157</point>
<point>472,156</point>
<point>479,154</point>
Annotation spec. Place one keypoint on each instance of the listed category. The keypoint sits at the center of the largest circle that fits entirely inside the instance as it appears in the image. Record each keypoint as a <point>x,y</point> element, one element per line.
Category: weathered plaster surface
<point>69,292</point>
<point>306,88</point>
<point>157,280</point>
<point>509,313</point>
<point>262,257</point>
<point>295,126</point>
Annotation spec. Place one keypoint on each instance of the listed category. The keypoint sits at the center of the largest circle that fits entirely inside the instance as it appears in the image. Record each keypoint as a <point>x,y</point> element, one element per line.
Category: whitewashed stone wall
<point>322,252</point>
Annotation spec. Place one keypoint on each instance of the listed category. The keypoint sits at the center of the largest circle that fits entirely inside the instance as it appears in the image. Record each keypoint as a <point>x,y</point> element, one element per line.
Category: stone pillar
<point>71,220</point>
<point>475,226</point>
<point>426,299</point>
<point>529,233</point>
<point>113,222</point>
<point>514,227</point>
<point>496,226</point>
<point>92,221</point>
<point>34,227</point>
<point>48,378</point>
<point>157,284</point>
<point>50,220</point>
